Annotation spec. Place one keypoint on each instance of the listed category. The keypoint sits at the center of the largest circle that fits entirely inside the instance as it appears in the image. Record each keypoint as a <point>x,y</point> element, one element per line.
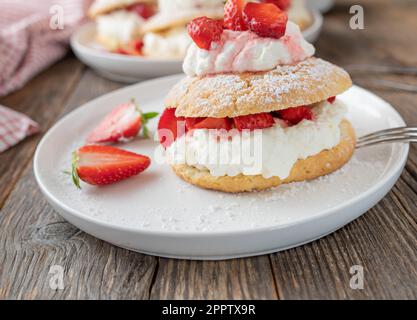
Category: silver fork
<point>401,134</point>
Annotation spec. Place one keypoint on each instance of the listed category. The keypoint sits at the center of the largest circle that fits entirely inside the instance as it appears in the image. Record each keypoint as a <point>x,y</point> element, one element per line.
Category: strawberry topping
<point>282,4</point>
<point>233,15</point>
<point>254,121</point>
<point>265,19</point>
<point>170,127</point>
<point>295,115</point>
<point>142,9</point>
<point>102,165</point>
<point>204,31</point>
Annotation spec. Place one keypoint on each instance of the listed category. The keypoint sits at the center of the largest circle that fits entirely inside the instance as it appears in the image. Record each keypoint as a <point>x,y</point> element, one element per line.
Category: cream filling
<point>120,26</point>
<point>269,152</point>
<point>171,44</point>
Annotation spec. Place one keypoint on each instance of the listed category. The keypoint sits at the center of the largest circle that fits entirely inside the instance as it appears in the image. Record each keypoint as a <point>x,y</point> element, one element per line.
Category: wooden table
<point>384,241</point>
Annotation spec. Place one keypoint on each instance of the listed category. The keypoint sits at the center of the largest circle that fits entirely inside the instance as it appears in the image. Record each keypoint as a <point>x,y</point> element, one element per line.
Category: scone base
<point>313,167</point>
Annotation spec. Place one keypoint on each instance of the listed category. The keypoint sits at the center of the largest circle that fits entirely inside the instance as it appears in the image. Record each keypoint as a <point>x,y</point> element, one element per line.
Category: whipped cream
<point>239,51</point>
<point>273,151</point>
<point>120,26</point>
<point>171,44</point>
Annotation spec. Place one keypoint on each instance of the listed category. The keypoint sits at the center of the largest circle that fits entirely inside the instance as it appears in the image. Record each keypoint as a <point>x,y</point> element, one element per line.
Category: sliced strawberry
<point>123,122</point>
<point>233,15</point>
<point>265,19</point>
<point>191,122</point>
<point>121,51</point>
<point>295,115</point>
<point>282,4</point>
<point>143,9</point>
<point>170,127</point>
<point>254,121</point>
<point>137,46</point>
<point>331,99</point>
<point>204,31</point>
<point>208,123</point>
<point>102,165</point>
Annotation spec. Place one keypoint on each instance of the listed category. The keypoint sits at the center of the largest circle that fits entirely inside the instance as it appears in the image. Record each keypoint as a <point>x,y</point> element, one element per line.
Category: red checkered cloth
<point>14,127</point>
<point>30,37</point>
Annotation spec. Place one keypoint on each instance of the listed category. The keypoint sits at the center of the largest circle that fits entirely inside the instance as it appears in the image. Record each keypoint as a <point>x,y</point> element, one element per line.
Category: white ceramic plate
<point>132,69</point>
<point>118,67</point>
<point>159,214</point>
<point>321,5</point>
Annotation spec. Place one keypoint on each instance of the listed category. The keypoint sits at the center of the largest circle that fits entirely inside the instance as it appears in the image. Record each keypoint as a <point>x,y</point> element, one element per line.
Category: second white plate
<point>158,213</point>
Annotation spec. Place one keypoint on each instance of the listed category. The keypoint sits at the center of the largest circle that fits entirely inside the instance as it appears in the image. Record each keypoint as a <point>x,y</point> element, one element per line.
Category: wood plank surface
<point>33,237</point>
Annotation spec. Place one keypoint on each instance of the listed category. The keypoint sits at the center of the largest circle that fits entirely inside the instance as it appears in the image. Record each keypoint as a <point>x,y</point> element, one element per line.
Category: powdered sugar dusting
<point>231,95</point>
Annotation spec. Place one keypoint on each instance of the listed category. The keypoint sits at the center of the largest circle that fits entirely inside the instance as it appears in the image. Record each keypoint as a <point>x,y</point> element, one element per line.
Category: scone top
<point>255,61</point>
<point>102,7</point>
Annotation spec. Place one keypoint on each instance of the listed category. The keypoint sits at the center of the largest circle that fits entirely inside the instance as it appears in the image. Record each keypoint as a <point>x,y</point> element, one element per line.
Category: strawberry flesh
<point>204,31</point>
<point>169,127</point>
<point>265,19</point>
<point>295,115</point>
<point>233,15</point>
<point>208,123</point>
<point>102,165</point>
<point>254,121</point>
<point>124,122</point>
<point>331,99</point>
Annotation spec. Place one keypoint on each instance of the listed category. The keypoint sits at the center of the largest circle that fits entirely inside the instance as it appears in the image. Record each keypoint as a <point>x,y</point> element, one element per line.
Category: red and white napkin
<point>33,35</point>
<point>14,127</point>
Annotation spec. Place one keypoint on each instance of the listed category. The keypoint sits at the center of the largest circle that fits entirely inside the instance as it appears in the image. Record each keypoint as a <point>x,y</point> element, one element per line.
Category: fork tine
<point>391,130</point>
<point>403,139</point>
<point>389,135</point>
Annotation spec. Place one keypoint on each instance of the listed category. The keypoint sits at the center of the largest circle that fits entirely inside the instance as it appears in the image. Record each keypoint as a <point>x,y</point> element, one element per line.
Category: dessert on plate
<point>165,34</point>
<point>119,23</point>
<point>256,109</point>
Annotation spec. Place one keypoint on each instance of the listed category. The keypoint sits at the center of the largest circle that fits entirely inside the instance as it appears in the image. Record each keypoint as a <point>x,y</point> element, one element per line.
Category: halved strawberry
<point>233,15</point>
<point>142,9</point>
<point>295,115</point>
<point>102,165</point>
<point>254,121</point>
<point>204,31</point>
<point>170,127</point>
<point>208,123</point>
<point>331,99</point>
<point>265,19</point>
<point>282,4</point>
<point>123,122</point>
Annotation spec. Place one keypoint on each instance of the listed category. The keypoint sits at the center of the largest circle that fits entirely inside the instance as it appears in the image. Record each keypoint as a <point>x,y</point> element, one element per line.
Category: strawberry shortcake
<point>256,109</point>
<point>119,23</point>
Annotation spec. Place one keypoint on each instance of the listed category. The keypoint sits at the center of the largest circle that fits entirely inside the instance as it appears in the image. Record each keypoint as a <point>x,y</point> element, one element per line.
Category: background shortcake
<point>165,34</point>
<point>257,83</point>
<point>119,23</point>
